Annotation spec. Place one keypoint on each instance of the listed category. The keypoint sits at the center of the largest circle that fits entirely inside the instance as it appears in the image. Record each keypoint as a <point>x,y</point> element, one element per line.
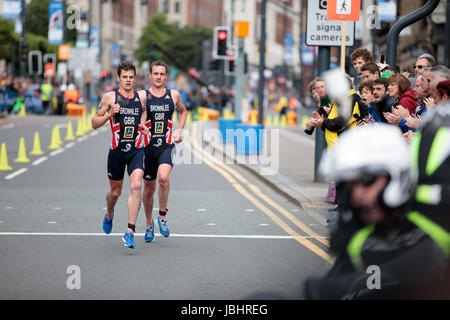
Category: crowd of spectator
<point>386,214</point>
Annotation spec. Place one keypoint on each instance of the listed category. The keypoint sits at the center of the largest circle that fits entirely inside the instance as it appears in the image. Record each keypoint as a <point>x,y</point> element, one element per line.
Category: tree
<point>182,44</point>
<point>6,39</point>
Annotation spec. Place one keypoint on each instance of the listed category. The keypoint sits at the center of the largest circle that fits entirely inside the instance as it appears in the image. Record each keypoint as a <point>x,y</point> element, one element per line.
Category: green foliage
<point>37,17</point>
<point>180,43</point>
<point>6,38</point>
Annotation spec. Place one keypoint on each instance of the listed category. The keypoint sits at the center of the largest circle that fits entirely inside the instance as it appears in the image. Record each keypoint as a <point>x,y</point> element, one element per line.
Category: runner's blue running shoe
<point>163,229</point>
<point>128,239</point>
<point>107,224</point>
<point>149,233</point>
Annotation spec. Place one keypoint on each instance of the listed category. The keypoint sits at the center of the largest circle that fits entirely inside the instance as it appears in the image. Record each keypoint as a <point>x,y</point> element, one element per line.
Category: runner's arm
<point>143,97</point>
<point>179,105</point>
<point>103,114</point>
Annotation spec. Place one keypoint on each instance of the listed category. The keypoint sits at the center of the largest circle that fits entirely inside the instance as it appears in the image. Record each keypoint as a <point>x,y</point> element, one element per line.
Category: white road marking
<point>81,139</point>
<point>56,152</point>
<point>70,145</point>
<point>15,173</point>
<point>180,235</point>
<point>263,224</point>
<point>201,210</point>
<point>249,210</point>
<point>39,161</point>
<point>8,208</point>
<point>56,208</point>
<point>52,222</point>
<point>94,133</point>
<point>211,224</point>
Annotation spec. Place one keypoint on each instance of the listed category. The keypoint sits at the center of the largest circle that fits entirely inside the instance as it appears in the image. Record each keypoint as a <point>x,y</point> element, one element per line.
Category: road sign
<point>323,32</point>
<point>347,10</point>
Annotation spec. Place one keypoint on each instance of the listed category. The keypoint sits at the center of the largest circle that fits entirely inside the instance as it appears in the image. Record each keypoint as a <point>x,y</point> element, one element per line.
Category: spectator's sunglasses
<point>420,67</point>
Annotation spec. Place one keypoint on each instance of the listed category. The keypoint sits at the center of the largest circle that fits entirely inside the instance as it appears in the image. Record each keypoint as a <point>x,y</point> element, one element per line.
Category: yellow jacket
<point>332,132</point>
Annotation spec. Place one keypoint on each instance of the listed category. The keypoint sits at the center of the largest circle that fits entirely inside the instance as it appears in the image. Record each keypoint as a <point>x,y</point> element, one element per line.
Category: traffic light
<point>231,66</point>
<point>34,62</point>
<point>221,42</point>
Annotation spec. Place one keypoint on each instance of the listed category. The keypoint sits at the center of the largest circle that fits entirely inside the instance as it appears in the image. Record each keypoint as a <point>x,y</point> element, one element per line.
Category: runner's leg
<point>112,195</point>
<point>164,186</point>
<point>135,196</point>
<point>148,199</point>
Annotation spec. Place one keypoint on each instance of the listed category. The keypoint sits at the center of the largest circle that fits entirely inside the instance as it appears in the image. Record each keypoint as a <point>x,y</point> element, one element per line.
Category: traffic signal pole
<point>262,63</point>
<point>239,80</point>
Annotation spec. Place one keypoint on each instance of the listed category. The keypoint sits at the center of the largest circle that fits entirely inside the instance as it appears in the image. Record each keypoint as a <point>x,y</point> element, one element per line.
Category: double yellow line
<point>238,182</point>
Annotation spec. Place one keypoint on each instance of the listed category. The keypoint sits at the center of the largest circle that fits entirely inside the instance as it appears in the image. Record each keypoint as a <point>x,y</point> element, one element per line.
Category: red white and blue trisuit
<point>126,145</point>
<point>158,144</point>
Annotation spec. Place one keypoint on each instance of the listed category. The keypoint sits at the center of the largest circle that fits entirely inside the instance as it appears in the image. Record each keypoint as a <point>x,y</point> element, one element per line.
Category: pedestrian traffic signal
<point>221,42</point>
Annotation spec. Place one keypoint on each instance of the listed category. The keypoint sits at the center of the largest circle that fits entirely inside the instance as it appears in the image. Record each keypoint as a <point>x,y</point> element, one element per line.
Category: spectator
<point>360,57</point>
<point>423,63</point>
<point>370,71</point>
<point>440,90</point>
<point>382,101</point>
<point>333,125</point>
<point>399,89</point>
<point>439,71</point>
<point>366,91</point>
<point>321,89</point>
<point>46,95</point>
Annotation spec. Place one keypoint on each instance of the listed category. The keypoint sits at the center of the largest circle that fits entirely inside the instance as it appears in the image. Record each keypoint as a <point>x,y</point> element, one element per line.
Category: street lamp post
<point>285,6</point>
<point>22,43</point>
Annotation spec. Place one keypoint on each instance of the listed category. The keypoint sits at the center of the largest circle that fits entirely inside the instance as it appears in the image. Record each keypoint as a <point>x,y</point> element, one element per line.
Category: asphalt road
<point>232,237</point>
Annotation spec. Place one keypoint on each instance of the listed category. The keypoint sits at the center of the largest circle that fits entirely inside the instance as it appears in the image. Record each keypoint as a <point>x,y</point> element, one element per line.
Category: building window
<point>164,5</point>
<point>177,7</point>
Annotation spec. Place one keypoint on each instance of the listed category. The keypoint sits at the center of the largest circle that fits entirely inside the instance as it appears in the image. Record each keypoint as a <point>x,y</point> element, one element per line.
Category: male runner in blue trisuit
<point>159,144</point>
<point>125,109</point>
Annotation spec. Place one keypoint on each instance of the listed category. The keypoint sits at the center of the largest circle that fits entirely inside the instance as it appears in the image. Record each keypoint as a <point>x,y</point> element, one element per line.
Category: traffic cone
<point>22,154</point>
<point>87,127</point>
<point>69,132</point>
<point>37,151</point>
<point>283,121</point>
<point>276,121</point>
<point>80,130</point>
<point>56,139</point>
<point>268,120</point>
<point>22,111</point>
<point>4,159</point>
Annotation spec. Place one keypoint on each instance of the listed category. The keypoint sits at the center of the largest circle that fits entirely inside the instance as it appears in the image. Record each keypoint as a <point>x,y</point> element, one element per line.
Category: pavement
<point>286,164</point>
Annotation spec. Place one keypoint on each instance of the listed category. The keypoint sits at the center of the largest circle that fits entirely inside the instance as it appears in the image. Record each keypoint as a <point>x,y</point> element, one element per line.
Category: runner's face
<point>127,79</point>
<point>158,76</point>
